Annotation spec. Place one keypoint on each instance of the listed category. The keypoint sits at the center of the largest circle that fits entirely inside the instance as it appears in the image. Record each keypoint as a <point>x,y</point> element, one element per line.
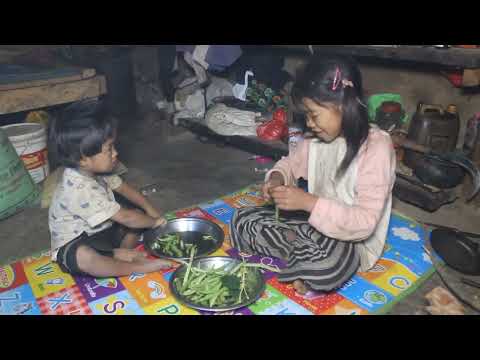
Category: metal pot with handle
<point>434,171</point>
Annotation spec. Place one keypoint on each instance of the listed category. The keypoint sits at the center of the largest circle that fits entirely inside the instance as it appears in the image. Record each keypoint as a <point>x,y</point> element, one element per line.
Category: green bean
<point>221,299</point>
<point>178,284</point>
<point>261,266</point>
<point>213,280</point>
<point>189,292</point>
<point>199,279</point>
<point>185,279</point>
<point>203,298</point>
<point>216,297</point>
<point>242,281</point>
<point>213,300</point>
<point>217,287</point>
<point>212,287</point>
<point>177,251</point>
<point>277,217</point>
<point>237,268</point>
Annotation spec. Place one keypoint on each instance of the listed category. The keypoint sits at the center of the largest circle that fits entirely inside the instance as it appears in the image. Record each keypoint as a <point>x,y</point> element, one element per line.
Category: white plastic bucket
<point>30,142</point>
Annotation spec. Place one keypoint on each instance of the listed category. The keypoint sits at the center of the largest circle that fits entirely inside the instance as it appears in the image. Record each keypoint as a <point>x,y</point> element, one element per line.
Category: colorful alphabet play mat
<point>36,286</point>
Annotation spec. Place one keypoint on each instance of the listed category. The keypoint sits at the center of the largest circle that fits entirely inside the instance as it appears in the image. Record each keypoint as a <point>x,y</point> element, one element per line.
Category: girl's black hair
<point>317,82</point>
<point>79,131</point>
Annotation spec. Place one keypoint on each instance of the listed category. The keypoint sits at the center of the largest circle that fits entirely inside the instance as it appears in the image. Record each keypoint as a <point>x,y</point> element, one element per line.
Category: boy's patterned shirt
<point>81,204</point>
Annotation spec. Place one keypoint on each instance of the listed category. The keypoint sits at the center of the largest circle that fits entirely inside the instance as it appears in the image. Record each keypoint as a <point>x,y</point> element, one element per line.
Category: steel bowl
<point>218,262</point>
<point>191,230</point>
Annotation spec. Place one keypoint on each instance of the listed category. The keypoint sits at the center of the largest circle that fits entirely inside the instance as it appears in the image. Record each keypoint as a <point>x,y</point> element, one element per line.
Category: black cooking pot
<point>389,114</point>
<point>439,173</point>
<point>457,250</point>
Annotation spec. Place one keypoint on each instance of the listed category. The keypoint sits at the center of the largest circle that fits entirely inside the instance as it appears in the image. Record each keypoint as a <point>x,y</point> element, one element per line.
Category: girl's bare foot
<point>128,255</point>
<point>300,287</point>
<point>291,235</point>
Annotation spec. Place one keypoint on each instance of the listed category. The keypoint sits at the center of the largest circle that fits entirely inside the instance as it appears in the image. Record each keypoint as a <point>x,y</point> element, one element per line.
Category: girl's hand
<point>275,181</point>
<point>267,188</point>
<point>293,198</point>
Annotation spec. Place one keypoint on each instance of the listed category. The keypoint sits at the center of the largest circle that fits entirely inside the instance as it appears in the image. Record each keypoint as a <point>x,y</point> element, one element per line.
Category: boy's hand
<point>154,213</point>
<point>160,222</point>
<point>136,219</point>
<point>138,199</point>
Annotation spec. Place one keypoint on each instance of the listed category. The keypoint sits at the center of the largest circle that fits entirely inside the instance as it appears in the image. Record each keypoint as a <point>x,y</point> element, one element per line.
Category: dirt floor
<point>184,172</point>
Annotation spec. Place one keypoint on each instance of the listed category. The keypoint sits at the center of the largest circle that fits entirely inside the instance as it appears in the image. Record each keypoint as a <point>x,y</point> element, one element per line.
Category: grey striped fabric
<point>323,264</point>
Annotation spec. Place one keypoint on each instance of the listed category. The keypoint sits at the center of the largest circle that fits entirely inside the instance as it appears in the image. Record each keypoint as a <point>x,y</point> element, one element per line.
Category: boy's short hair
<point>79,131</point>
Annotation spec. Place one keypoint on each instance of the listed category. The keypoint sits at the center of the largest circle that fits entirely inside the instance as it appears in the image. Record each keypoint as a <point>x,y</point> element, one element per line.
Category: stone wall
<point>414,86</point>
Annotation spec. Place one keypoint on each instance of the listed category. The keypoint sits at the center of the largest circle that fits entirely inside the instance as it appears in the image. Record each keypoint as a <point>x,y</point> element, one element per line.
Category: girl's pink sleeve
<point>375,180</point>
<point>294,166</point>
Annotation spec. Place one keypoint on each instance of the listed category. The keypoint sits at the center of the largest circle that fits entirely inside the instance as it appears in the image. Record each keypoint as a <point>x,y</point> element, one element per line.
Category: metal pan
<point>458,251</point>
<point>191,230</point>
<point>210,263</point>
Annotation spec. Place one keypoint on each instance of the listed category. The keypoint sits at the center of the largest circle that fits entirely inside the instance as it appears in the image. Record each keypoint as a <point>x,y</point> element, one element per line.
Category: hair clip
<point>336,80</point>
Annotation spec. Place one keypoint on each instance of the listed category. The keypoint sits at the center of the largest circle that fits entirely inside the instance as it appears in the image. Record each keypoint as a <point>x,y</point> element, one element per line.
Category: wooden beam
<point>83,74</point>
<point>17,100</point>
<point>451,57</point>
<point>7,55</point>
<point>471,77</point>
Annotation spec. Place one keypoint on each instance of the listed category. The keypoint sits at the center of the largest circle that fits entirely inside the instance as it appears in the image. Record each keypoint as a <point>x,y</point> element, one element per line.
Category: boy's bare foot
<point>148,266</point>
<point>300,287</point>
<point>125,263</point>
<point>128,255</point>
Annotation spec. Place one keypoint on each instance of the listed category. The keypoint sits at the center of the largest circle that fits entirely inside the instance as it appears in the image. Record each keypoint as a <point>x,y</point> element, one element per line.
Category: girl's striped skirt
<point>323,264</point>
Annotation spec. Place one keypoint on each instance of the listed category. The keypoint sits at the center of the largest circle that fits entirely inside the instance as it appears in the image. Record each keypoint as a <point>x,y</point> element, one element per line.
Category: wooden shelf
<point>35,97</point>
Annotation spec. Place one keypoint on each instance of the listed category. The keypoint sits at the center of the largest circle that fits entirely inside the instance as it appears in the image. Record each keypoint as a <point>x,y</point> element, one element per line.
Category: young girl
<point>350,168</point>
<point>91,234</point>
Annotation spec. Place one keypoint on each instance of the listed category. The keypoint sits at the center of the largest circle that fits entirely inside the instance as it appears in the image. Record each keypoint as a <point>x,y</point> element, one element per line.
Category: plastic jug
<point>434,127</point>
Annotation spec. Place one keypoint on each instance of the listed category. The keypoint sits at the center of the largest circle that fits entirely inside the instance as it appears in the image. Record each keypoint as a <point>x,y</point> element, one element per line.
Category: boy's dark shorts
<point>102,242</point>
